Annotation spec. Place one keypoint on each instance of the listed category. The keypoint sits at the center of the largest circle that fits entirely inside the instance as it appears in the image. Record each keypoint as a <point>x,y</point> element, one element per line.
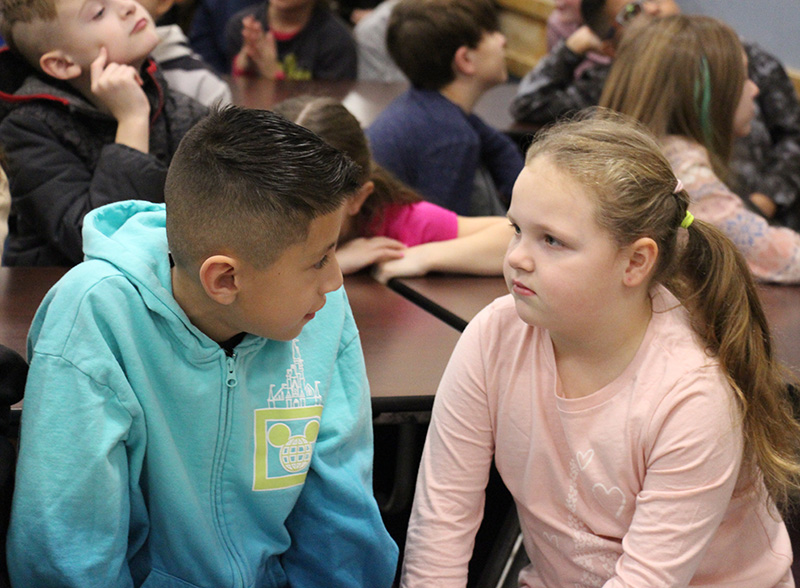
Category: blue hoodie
<point>149,457</point>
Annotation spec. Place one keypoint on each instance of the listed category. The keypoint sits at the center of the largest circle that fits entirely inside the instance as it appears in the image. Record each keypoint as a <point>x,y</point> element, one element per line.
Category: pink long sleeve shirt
<point>635,485</point>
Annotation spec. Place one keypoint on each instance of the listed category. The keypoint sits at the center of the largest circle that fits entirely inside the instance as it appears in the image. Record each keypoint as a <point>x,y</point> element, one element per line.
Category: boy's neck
<point>464,92</point>
<point>288,21</point>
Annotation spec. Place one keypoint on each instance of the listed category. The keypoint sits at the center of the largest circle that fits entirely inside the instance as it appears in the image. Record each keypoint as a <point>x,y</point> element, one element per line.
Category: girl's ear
<point>355,202</point>
<point>642,257</point>
<point>219,275</point>
<point>59,65</point>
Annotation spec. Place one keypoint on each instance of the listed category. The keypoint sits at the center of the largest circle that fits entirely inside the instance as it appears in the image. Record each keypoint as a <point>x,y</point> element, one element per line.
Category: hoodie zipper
<point>231,382</point>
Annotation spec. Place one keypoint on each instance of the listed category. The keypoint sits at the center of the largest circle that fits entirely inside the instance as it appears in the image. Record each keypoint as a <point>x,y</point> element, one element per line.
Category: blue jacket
<point>432,145</point>
<point>149,457</point>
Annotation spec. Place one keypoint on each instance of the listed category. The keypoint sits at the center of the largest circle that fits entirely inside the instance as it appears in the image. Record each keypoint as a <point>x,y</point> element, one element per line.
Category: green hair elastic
<point>687,220</point>
<point>702,100</point>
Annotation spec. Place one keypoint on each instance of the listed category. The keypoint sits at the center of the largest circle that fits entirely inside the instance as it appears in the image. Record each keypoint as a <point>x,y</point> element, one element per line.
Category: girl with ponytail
<point>626,389</point>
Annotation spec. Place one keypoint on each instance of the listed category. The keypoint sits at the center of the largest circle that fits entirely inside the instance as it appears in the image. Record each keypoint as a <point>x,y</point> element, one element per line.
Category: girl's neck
<point>601,352</point>
<point>292,20</point>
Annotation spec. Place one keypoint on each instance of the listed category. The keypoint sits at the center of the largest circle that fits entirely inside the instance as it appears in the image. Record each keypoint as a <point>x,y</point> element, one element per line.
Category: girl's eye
<point>99,14</point>
<point>322,262</point>
<point>516,228</point>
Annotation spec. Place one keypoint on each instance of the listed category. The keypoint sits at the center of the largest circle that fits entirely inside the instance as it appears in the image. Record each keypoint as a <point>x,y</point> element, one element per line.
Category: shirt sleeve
<point>693,454</point>
<point>55,202</point>
<point>418,223</point>
<point>453,473</point>
<point>550,90</point>
<point>338,537</point>
<point>772,253</point>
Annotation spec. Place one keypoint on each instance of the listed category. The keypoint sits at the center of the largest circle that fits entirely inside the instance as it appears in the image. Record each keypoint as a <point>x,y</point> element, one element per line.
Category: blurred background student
<point>297,40</point>
<point>686,78</point>
<point>765,165</point>
<point>453,52</point>
<point>389,224</point>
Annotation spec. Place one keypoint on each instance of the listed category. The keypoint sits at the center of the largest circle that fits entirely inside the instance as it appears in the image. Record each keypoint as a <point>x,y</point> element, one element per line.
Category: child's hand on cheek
<point>118,87</point>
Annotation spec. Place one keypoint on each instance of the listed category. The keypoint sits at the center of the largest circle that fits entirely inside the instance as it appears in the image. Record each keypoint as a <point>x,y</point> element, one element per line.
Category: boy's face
<point>123,27</point>
<point>278,301</point>
<point>490,59</point>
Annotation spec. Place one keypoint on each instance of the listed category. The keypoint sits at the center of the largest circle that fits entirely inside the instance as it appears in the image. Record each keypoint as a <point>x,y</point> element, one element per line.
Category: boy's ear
<point>462,61</point>
<point>219,275</point>
<point>642,257</point>
<point>355,202</point>
<point>59,65</point>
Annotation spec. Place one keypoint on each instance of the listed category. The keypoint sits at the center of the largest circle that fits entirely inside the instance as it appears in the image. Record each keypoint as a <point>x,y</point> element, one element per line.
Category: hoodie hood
<point>131,235</point>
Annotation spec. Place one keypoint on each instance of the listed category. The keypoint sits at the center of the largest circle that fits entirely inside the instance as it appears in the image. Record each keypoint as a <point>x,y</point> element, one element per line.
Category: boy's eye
<point>515,227</point>
<point>322,262</point>
<point>99,14</point>
<point>550,240</point>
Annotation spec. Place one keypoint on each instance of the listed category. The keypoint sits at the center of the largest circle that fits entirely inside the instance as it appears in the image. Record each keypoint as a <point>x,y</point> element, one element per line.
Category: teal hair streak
<point>702,101</point>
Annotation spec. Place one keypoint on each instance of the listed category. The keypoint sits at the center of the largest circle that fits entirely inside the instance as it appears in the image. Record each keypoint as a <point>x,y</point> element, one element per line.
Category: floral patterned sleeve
<point>773,253</point>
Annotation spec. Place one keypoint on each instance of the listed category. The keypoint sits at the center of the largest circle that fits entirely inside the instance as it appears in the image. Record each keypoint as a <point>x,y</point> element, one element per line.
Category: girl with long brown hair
<point>685,78</point>
<point>626,389</point>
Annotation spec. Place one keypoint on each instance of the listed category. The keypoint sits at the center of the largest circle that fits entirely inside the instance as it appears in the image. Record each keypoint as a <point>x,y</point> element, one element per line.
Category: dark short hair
<point>423,36</point>
<point>249,183</point>
<point>593,13</point>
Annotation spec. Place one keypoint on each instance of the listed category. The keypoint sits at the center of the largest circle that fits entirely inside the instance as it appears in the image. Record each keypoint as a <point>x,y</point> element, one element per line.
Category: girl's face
<point>562,268</point>
<point>746,109</point>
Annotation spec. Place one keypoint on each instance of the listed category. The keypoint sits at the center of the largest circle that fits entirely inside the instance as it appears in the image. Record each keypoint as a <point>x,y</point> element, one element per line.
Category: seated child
<point>452,52</point>
<point>685,77</point>
<point>184,70</point>
<point>626,389</point>
<point>766,163</point>
<point>173,430</point>
<point>387,223</point>
<point>86,119</point>
<point>302,40</point>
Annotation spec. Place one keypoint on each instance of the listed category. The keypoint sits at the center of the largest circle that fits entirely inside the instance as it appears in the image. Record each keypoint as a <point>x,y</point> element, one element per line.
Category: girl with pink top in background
<point>387,224</point>
<point>626,389</point>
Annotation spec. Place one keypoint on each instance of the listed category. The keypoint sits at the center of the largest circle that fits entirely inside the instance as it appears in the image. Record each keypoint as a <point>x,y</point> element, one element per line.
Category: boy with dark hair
<point>452,52</point>
<point>203,418</point>
<point>86,119</point>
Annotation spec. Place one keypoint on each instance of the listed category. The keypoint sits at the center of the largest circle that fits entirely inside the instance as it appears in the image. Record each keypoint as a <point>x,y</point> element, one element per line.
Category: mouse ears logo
<point>285,441</point>
<point>285,432</point>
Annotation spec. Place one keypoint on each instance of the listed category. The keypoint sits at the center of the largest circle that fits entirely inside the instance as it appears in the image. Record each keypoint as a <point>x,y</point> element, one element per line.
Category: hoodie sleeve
<point>52,188</point>
<point>71,507</point>
<point>338,537</point>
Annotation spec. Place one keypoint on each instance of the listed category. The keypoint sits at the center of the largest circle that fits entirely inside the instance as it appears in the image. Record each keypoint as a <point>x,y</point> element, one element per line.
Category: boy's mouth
<point>140,24</point>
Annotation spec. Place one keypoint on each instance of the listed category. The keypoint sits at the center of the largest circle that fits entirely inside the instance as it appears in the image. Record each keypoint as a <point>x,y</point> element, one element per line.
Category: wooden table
<point>366,99</point>
<point>405,348</point>
<point>456,299</point>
